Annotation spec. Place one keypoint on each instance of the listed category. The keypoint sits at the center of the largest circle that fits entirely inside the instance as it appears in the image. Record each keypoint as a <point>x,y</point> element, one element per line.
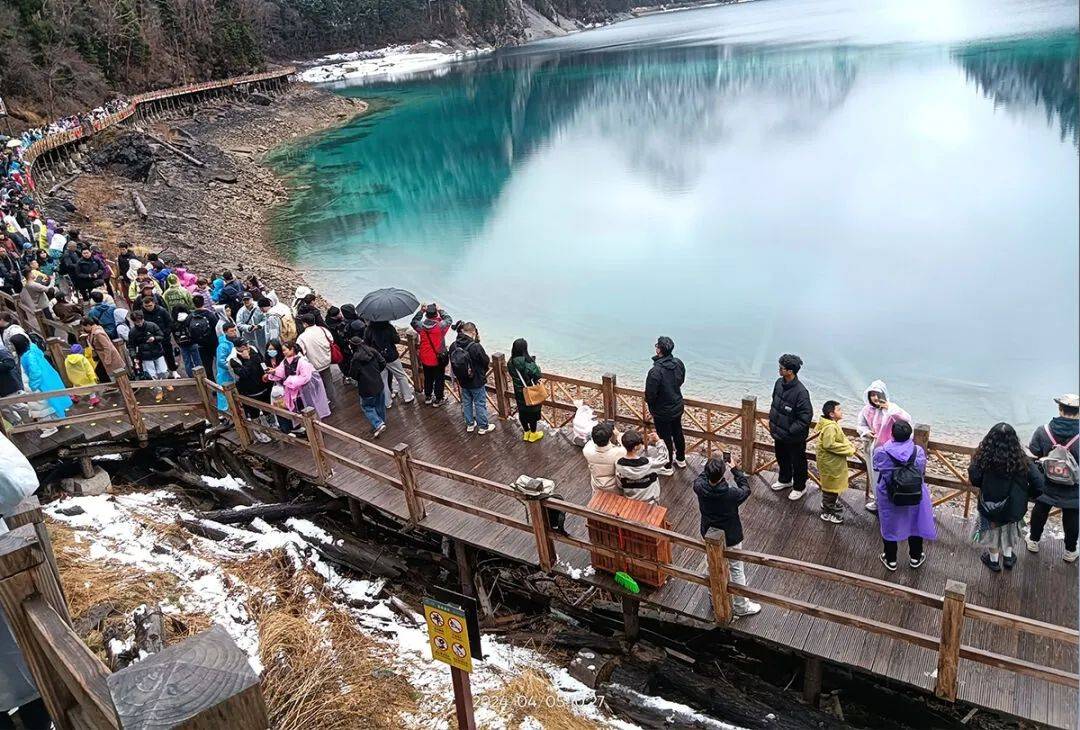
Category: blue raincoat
<point>221,371</point>
<point>215,289</point>
<point>42,377</point>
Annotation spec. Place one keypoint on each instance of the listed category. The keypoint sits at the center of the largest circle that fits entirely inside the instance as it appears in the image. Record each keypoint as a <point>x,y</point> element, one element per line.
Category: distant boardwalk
<point>825,593</point>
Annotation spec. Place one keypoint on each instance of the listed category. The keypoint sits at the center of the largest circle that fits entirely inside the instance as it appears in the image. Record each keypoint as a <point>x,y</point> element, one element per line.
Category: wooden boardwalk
<point>1041,587</point>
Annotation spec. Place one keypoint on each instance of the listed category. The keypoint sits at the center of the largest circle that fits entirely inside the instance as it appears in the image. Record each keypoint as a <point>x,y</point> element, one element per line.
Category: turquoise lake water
<point>887,189</point>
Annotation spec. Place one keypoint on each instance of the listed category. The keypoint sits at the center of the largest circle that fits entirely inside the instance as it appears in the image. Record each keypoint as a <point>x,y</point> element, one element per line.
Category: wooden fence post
<point>417,511</point>
<point>203,682</point>
<point>204,395</point>
<point>545,546</point>
<point>748,421</point>
<point>610,402</point>
<point>55,347</point>
<point>24,572</point>
<point>239,422</point>
<point>131,405</point>
<point>499,375</point>
<point>952,624</point>
<point>412,343</point>
<point>314,437</point>
<point>122,348</point>
<point>719,575</point>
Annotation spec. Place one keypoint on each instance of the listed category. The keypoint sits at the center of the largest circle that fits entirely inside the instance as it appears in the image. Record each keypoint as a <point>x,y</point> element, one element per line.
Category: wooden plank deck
<point>1041,587</point>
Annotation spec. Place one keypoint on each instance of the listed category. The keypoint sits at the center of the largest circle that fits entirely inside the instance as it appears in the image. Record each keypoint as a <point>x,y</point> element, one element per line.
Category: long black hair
<point>520,348</point>
<point>1000,452</point>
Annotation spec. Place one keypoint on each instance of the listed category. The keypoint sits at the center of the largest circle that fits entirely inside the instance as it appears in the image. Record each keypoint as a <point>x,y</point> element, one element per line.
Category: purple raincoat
<point>900,523</point>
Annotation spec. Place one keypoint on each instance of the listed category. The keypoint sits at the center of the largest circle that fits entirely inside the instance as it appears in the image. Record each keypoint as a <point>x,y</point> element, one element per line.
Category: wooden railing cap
<point>19,551</point>
<point>955,589</point>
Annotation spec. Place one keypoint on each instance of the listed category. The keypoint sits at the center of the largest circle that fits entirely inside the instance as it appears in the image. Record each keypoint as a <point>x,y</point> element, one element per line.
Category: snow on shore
<point>114,527</point>
<point>392,63</point>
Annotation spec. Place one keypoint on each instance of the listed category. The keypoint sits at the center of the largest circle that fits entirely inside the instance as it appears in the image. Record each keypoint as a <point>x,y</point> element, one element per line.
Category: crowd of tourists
<point>72,122</point>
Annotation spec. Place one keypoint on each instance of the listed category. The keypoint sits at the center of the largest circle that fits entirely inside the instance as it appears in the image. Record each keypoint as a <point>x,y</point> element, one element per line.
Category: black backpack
<point>904,485</point>
<point>199,327</point>
<point>461,364</point>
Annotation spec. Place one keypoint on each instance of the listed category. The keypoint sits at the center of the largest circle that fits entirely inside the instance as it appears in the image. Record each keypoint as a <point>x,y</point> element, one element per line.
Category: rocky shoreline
<point>212,216</point>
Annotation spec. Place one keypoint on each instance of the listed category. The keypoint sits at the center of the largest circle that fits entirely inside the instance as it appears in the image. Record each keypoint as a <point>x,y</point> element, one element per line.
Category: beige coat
<point>34,297</point>
<point>104,350</point>
<point>601,460</point>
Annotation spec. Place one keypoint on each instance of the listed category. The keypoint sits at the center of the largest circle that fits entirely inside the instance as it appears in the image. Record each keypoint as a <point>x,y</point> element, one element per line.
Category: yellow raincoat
<point>833,449</point>
<point>80,370</point>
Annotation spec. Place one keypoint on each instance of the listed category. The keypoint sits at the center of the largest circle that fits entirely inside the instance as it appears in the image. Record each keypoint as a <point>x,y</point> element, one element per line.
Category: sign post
<point>453,641</point>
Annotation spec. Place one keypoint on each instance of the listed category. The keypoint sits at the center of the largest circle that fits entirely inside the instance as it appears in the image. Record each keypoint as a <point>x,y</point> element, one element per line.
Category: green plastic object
<point>626,582</point>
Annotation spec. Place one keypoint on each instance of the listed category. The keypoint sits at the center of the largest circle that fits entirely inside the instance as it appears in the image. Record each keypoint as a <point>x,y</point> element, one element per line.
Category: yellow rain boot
<point>536,436</point>
<point>527,436</point>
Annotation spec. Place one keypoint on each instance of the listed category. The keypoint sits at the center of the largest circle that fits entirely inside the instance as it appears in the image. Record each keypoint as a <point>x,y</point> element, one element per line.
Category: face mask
<point>272,353</point>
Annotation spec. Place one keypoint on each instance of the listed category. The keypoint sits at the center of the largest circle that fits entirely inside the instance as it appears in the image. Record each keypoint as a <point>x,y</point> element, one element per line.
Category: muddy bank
<point>209,216</point>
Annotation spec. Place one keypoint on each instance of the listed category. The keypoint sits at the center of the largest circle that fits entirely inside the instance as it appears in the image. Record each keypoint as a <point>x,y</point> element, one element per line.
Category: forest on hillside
<point>60,56</point>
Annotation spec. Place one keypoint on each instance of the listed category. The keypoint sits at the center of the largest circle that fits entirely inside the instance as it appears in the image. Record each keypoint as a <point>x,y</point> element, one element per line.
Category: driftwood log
<point>357,556</point>
<point>638,708</point>
<point>573,640</point>
<point>269,512</point>
<point>175,150</point>
<point>136,201</point>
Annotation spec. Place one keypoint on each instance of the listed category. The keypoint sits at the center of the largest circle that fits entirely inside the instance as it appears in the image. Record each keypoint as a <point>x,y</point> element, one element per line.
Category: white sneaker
<point>48,432</point>
<point>378,431</point>
<point>777,486</point>
<point>1032,545</point>
<point>665,471</point>
<point>471,427</point>
<point>489,429</point>
<point>796,494</point>
<point>831,518</point>
<point>681,463</point>
<point>871,505</point>
<point>747,610</point>
<point>1070,556</point>
<point>262,438</point>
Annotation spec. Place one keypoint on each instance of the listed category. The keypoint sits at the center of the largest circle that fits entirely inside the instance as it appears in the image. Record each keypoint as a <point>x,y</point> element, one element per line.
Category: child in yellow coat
<point>833,450</point>
<point>80,371</point>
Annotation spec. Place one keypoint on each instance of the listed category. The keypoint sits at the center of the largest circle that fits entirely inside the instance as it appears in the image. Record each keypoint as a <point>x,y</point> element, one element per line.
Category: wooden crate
<point>629,541</point>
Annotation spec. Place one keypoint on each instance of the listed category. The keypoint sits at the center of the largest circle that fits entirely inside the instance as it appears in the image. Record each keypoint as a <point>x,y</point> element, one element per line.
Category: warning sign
<point>447,634</point>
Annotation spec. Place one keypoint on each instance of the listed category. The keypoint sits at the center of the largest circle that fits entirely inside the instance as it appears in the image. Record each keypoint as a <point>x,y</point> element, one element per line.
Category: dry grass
<point>88,582</point>
<point>321,671</point>
<point>530,694</point>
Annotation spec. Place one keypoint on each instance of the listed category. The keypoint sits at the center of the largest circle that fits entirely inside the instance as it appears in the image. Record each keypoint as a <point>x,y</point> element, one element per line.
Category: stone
<point>99,483</point>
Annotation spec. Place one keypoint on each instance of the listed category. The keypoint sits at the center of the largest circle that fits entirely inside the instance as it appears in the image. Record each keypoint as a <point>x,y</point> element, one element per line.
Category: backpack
<point>461,364</point>
<point>288,327</point>
<point>198,327</point>
<point>904,485</point>
<point>1060,465</point>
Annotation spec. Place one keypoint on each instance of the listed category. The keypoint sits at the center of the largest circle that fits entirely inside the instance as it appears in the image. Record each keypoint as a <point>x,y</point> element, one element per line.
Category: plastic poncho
<point>215,288</point>
<point>833,450</point>
<point>222,372</point>
<point>17,482</point>
<point>80,370</point>
<point>187,280</point>
<point>41,377</point>
<point>877,422</point>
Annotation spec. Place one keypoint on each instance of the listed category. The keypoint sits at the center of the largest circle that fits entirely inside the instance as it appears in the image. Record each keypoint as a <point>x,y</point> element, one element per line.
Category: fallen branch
<point>405,610</point>
<point>268,512</point>
<point>201,529</point>
<point>63,183</point>
<point>193,160</point>
<point>573,639</point>
<point>149,629</point>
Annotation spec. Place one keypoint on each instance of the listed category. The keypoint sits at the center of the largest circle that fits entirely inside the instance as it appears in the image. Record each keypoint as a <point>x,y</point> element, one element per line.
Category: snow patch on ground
<point>116,527</point>
<point>392,63</point>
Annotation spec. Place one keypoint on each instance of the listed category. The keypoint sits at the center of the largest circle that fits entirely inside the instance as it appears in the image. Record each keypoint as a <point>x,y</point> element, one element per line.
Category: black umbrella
<point>386,305</point>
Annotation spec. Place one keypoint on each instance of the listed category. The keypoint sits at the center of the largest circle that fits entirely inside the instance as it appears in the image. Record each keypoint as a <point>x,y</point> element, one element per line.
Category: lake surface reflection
<point>888,189</point>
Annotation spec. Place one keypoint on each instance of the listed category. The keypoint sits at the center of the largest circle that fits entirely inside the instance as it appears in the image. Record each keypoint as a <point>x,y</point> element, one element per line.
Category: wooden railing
<point>60,139</point>
<point>399,469</point>
<point>202,682</point>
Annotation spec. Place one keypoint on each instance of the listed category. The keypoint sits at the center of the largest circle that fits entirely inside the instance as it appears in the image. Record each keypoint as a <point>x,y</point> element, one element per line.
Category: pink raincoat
<point>305,385</point>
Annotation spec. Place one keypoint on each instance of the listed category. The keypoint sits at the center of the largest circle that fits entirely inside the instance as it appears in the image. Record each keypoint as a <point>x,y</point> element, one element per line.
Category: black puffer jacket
<point>663,387</point>
<point>87,271</point>
<point>366,368</point>
<point>161,317</point>
<point>139,341</point>
<point>791,411</point>
<point>1003,498</point>
<point>249,374</point>
<point>385,338</point>
<point>719,504</point>
<point>10,378</point>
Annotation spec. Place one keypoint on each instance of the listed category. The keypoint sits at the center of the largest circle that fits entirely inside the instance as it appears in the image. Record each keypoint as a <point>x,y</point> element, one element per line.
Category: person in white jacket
<point>875,428</point>
<point>316,343</point>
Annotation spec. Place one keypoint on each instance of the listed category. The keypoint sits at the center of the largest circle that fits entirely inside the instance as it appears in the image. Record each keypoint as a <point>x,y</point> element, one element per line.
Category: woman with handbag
<point>529,394</point>
<point>1006,479</point>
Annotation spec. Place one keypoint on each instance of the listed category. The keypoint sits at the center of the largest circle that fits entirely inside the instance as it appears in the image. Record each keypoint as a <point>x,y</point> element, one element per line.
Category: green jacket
<point>833,450</point>
<point>521,369</point>
<point>175,295</point>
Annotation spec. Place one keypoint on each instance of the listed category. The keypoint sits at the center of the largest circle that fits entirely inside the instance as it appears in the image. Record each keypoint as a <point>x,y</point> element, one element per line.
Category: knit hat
<point>76,349</point>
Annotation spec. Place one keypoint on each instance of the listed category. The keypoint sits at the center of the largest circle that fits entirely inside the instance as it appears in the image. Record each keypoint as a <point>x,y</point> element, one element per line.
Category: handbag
<point>533,395</point>
<point>336,356</point>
